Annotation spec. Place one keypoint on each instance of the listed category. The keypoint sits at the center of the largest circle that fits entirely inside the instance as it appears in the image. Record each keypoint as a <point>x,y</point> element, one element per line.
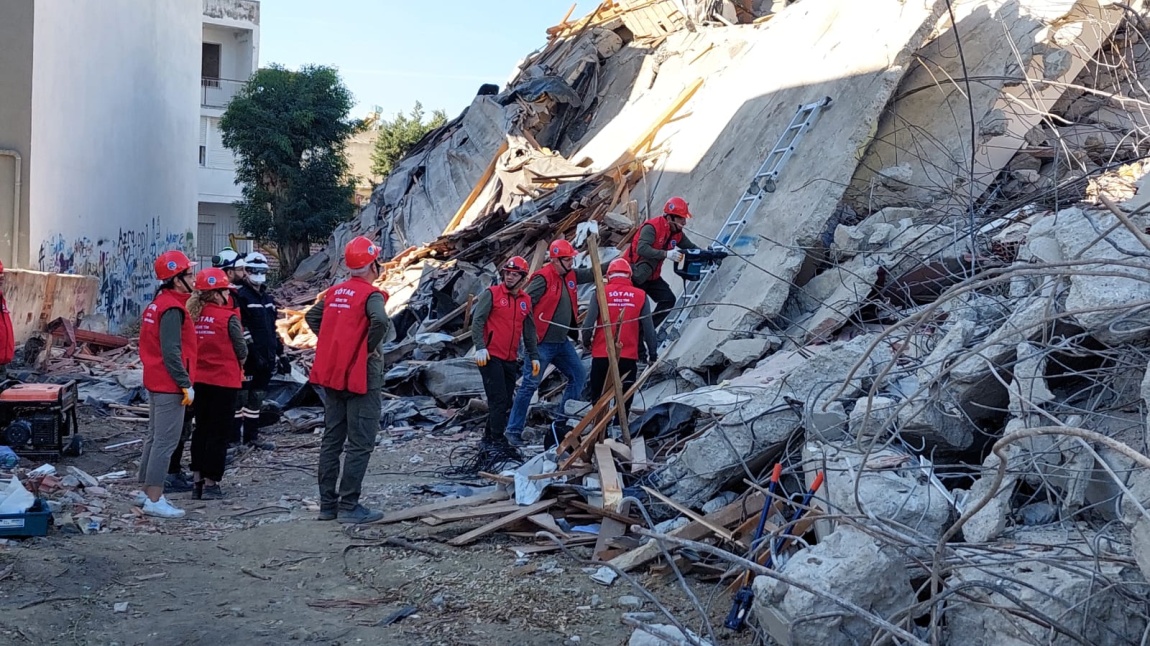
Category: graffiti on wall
<point>123,265</point>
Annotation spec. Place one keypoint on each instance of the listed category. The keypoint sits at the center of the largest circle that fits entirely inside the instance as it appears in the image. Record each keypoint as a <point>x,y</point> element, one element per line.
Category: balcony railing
<point>217,93</point>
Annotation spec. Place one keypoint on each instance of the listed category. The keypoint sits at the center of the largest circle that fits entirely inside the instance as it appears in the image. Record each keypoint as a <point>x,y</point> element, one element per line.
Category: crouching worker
<point>219,356</point>
<point>502,317</point>
<point>634,336</point>
<point>351,325</point>
<point>168,352</point>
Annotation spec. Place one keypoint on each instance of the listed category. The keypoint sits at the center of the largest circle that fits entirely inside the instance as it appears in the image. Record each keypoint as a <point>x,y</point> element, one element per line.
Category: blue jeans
<point>566,361</point>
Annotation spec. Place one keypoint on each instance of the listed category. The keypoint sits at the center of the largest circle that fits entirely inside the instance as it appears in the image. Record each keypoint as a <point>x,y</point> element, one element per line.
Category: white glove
<point>674,255</point>
<point>482,357</point>
<point>189,396</point>
<point>583,230</point>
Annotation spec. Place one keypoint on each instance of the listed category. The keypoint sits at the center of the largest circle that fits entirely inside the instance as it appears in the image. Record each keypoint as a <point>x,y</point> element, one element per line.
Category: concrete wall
<point>16,19</point>
<point>115,129</point>
<point>36,298</point>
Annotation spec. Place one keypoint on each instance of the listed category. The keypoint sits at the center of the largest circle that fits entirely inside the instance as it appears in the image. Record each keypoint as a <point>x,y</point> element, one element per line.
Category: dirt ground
<point>257,568</point>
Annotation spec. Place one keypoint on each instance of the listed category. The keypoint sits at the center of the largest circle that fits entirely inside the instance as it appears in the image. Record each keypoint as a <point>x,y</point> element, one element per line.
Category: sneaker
<point>359,515</point>
<point>177,482</point>
<point>213,492</point>
<point>262,445</point>
<point>514,438</point>
<point>139,499</point>
<point>326,514</point>
<point>162,509</point>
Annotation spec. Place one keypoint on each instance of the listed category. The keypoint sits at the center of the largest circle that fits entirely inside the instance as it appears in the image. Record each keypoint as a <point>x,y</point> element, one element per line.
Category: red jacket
<point>7,335</point>
<point>504,327</point>
<point>549,302</point>
<point>622,296</point>
<point>663,241</point>
<point>341,349</point>
<point>216,360</point>
<point>156,376</point>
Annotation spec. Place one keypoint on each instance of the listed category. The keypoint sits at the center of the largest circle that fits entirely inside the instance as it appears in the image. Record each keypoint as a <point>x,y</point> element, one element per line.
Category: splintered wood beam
<point>479,532</point>
<point>609,332</point>
<point>477,189</point>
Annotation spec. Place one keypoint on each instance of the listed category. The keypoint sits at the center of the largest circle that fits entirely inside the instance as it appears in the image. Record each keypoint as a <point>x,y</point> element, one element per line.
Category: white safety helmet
<point>228,258</point>
<point>257,265</point>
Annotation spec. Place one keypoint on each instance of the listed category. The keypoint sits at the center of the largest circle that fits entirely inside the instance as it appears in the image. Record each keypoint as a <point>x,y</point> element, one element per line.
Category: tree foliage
<point>398,135</point>
<point>289,130</point>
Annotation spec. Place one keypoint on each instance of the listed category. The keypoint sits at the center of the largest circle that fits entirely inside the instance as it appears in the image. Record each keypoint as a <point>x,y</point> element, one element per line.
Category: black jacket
<point>258,314</point>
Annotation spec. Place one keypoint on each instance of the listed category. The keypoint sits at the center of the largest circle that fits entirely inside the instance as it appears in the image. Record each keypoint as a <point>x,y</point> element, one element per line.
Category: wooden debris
<point>480,532</point>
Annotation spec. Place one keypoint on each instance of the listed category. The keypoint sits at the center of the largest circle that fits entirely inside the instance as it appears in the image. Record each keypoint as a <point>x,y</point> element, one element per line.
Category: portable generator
<point>35,418</point>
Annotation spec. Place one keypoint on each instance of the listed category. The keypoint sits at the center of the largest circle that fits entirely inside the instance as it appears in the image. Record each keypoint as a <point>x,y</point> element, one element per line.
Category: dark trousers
<point>499,385</point>
<point>214,421</point>
<point>174,466</point>
<point>351,423</point>
<point>664,298</point>
<point>248,404</point>
<point>601,369</point>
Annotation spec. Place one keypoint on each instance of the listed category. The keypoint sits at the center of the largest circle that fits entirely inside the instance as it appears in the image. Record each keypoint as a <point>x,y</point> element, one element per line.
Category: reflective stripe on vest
<point>549,301</point>
<point>216,361</point>
<point>622,296</point>
<point>156,376</point>
<point>504,327</point>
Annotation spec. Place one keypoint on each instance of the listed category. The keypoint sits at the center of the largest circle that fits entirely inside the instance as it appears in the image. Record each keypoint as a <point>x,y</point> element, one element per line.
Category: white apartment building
<point>230,55</point>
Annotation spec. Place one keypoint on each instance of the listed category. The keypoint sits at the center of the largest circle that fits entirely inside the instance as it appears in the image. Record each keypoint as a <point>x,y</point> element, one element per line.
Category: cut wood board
<point>638,454</point>
<point>493,509</point>
<point>719,531</point>
<point>608,477</point>
<point>479,532</point>
<point>425,510</point>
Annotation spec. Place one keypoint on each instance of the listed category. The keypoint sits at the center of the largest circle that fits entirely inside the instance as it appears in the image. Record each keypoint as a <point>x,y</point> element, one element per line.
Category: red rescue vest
<point>216,361</point>
<point>7,335</point>
<point>622,296</point>
<point>549,301</point>
<point>341,350</point>
<point>664,240</point>
<point>504,327</point>
<point>156,376</point>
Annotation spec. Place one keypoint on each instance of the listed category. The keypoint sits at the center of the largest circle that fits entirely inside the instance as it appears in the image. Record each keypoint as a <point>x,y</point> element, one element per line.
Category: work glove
<point>534,367</point>
<point>674,255</point>
<point>482,357</point>
<point>284,365</point>
<point>189,396</point>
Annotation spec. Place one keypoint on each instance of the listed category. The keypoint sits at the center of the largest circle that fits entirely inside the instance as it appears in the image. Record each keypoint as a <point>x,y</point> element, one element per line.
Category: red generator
<point>35,418</point>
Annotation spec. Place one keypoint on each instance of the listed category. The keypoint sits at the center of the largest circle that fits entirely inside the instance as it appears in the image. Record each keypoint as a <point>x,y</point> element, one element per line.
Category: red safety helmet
<point>677,207</point>
<point>212,278</point>
<point>561,249</point>
<point>172,263</point>
<point>619,266</point>
<point>517,264</point>
<point>1,266</point>
<point>360,252</point>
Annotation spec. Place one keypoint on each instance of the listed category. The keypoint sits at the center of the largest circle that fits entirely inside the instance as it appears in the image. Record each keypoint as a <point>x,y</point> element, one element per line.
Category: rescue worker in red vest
<point>659,239</point>
<point>220,355</point>
<point>351,324</point>
<point>168,352</point>
<point>554,306</point>
<point>501,317</point>
<point>7,335</point>
<point>634,336</point>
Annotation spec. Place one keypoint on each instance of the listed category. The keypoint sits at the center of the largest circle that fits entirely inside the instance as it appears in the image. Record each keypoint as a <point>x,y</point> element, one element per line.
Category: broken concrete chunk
<point>871,416</point>
<point>744,352</point>
<point>896,178</point>
<point>643,638</point>
<point>452,379</point>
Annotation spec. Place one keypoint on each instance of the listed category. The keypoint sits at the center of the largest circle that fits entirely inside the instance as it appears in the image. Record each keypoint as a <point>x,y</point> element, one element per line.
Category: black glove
<point>283,365</point>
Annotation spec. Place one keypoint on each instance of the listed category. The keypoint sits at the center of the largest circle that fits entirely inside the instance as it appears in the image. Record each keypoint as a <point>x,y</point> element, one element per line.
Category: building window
<point>210,65</point>
<point>203,155</point>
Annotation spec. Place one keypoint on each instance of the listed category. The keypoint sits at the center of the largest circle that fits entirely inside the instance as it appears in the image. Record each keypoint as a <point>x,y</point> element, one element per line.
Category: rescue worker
<point>351,325</point>
<point>168,354</point>
<point>659,239</point>
<point>232,262</point>
<point>501,318</point>
<point>634,336</point>
<point>554,306</point>
<point>7,335</point>
<point>265,350</point>
<point>220,355</point>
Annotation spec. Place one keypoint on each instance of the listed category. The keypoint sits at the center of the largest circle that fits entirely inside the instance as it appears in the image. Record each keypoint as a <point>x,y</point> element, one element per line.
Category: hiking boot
<point>177,482</point>
<point>162,509</point>
<point>262,445</point>
<point>359,515</point>
<point>213,492</point>
<point>327,513</point>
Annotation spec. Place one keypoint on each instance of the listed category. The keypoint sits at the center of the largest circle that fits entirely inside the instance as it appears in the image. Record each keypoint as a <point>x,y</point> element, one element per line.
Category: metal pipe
<point>17,160</point>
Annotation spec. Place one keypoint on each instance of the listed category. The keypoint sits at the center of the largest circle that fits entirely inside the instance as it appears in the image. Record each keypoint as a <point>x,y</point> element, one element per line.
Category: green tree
<point>288,131</point>
<point>397,136</point>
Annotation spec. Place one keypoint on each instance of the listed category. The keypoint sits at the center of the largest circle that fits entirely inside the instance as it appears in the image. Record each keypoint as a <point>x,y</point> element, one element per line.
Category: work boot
<point>213,492</point>
<point>162,509</point>
<point>327,513</point>
<point>359,515</point>
<point>262,445</point>
<point>177,482</point>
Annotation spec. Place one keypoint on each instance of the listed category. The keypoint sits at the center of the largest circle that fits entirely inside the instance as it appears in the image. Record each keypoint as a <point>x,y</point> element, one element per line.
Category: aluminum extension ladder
<point>762,183</point>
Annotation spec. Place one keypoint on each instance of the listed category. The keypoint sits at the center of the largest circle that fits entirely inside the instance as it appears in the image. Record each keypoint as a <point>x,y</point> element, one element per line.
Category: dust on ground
<point>257,568</point>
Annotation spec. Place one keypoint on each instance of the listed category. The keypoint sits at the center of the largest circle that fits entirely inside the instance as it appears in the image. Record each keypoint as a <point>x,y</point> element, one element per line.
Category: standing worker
<point>502,316</point>
<point>555,307</point>
<point>659,239</point>
<point>634,336</point>
<point>7,335</point>
<point>168,352</point>
<point>265,350</point>
<point>351,325</point>
<point>220,355</point>
<point>232,262</point>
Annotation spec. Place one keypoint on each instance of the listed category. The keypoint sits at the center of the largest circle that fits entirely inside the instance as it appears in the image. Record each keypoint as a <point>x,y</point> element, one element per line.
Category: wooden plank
<point>608,477</point>
<point>495,477</point>
<point>718,531</point>
<point>609,332</point>
<point>545,521</point>
<point>639,455</point>
<point>424,510</point>
<point>732,513</point>
<point>575,541</point>
<point>479,186</point>
<point>600,512</point>
<point>622,450</point>
<point>480,532</point>
<point>586,443</point>
<point>492,509</point>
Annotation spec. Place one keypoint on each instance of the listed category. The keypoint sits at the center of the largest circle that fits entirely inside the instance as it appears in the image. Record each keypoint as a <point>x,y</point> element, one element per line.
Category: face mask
<point>257,279</point>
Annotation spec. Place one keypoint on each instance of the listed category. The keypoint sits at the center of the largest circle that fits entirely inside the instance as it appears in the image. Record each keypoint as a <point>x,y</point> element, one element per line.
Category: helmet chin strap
<point>184,281</point>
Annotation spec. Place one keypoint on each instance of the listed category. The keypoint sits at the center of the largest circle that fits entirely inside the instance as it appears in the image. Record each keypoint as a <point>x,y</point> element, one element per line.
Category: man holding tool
<point>659,239</point>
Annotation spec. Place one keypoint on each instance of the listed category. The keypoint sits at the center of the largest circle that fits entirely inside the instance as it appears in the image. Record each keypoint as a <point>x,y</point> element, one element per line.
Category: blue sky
<point>392,53</point>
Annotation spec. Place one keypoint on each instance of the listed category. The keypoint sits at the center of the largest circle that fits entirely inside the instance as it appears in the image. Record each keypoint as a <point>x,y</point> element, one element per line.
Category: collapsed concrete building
<point>944,305</point>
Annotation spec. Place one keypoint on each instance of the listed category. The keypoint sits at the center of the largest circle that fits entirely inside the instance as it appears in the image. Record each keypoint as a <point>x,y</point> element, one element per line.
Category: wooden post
<point>605,321</point>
